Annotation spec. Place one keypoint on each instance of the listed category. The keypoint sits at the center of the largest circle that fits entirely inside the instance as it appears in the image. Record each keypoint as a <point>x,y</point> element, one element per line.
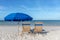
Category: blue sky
<point>38,9</point>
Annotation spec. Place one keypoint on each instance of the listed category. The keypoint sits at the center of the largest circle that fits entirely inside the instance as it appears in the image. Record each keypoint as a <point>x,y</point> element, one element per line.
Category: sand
<point>53,35</point>
<point>11,33</point>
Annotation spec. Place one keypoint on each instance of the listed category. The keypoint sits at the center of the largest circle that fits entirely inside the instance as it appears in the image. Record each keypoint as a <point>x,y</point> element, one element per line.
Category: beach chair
<point>38,27</point>
<point>26,27</point>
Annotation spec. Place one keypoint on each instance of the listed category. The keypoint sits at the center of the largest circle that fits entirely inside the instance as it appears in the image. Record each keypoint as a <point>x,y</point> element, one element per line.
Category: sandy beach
<point>11,33</point>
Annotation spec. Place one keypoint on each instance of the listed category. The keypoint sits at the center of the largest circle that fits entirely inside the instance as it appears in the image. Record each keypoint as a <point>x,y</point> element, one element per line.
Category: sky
<point>38,9</point>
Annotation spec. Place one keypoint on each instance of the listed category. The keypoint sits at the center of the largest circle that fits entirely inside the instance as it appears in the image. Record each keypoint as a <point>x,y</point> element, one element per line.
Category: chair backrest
<point>38,27</point>
<point>26,27</point>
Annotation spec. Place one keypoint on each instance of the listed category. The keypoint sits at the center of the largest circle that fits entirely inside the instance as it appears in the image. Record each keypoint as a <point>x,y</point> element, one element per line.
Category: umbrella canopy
<point>18,17</point>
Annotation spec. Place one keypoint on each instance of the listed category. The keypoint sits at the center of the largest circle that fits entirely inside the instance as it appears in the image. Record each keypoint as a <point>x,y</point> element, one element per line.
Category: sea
<point>45,22</point>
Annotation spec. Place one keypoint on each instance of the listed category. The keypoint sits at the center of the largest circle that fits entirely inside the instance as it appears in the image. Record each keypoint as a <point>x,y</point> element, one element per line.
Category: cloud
<point>2,8</point>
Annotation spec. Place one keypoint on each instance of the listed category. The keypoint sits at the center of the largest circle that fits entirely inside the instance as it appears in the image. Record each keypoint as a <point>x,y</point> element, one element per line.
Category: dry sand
<point>11,33</point>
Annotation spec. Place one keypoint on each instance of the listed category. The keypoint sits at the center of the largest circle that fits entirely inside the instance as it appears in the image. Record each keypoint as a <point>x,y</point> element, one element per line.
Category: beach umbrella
<point>18,17</point>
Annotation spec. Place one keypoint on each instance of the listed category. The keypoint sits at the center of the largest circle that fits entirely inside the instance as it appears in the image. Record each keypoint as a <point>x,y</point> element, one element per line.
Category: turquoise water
<point>45,22</point>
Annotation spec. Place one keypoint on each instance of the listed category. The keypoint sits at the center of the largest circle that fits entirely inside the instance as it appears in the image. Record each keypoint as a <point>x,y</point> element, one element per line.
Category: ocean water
<point>45,22</point>
<point>50,22</point>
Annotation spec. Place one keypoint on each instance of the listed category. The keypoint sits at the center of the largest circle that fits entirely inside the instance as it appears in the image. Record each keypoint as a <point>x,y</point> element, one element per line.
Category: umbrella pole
<point>18,28</point>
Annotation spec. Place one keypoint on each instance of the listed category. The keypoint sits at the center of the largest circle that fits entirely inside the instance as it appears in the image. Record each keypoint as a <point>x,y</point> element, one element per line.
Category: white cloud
<point>2,8</point>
